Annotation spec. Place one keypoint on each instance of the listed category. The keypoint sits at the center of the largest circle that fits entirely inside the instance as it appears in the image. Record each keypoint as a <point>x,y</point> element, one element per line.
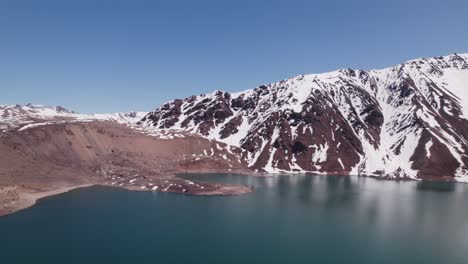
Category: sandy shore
<point>15,198</point>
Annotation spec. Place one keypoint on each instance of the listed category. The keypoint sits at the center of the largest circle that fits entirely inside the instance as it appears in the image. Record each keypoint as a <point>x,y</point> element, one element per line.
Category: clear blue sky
<point>107,56</point>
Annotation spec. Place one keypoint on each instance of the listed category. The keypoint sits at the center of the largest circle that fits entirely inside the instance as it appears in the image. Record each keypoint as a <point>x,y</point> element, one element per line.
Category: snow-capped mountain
<point>26,116</point>
<point>409,120</point>
<point>129,118</point>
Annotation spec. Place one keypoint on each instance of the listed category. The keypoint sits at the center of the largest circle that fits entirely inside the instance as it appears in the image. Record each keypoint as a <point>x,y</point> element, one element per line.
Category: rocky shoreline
<point>55,158</point>
<point>16,198</point>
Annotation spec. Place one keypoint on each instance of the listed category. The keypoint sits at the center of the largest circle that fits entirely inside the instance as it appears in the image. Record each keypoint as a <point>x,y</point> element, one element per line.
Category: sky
<point>112,56</point>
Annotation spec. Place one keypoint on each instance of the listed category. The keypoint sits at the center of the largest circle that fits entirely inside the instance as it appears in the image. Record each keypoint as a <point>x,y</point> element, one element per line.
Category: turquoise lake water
<point>287,219</point>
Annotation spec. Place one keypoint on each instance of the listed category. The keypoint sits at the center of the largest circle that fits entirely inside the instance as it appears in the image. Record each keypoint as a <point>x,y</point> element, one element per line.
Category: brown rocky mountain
<point>406,121</point>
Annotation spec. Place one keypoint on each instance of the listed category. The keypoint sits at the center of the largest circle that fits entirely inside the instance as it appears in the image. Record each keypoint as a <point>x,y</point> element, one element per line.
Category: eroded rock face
<point>409,120</point>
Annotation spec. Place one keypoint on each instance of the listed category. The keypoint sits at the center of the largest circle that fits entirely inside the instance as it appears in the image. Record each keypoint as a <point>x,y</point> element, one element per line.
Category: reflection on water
<point>416,212</point>
<point>436,186</point>
<point>287,219</point>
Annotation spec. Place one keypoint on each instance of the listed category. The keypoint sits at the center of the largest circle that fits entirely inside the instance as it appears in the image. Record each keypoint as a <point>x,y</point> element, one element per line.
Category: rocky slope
<point>49,150</point>
<point>53,158</point>
<point>406,121</point>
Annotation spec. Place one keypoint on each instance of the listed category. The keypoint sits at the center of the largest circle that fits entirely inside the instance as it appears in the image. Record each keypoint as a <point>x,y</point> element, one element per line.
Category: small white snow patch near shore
<point>428,148</point>
<point>341,163</point>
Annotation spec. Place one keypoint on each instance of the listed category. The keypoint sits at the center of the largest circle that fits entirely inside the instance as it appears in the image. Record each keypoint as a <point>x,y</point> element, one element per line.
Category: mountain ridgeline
<point>406,121</point>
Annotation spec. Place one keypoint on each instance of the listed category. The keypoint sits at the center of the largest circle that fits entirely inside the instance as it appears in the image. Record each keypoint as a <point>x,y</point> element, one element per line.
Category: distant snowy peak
<point>13,116</point>
<point>121,117</point>
<point>26,116</point>
<point>409,120</point>
<point>12,111</point>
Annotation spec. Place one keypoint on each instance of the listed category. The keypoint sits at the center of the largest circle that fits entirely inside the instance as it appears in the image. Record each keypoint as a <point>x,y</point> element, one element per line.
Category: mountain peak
<point>396,121</point>
<point>31,115</point>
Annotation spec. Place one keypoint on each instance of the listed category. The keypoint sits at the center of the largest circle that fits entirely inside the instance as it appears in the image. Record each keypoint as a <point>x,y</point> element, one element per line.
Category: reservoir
<point>286,219</point>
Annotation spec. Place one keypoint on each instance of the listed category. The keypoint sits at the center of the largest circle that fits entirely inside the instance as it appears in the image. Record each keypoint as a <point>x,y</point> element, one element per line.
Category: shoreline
<point>17,198</point>
<point>27,197</point>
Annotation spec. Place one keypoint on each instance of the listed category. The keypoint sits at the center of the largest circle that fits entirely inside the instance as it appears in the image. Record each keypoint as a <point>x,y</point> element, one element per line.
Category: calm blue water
<point>288,219</point>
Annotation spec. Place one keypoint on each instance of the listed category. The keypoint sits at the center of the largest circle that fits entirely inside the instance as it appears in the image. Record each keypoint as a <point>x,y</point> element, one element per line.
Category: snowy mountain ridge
<point>405,121</point>
<point>26,116</point>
